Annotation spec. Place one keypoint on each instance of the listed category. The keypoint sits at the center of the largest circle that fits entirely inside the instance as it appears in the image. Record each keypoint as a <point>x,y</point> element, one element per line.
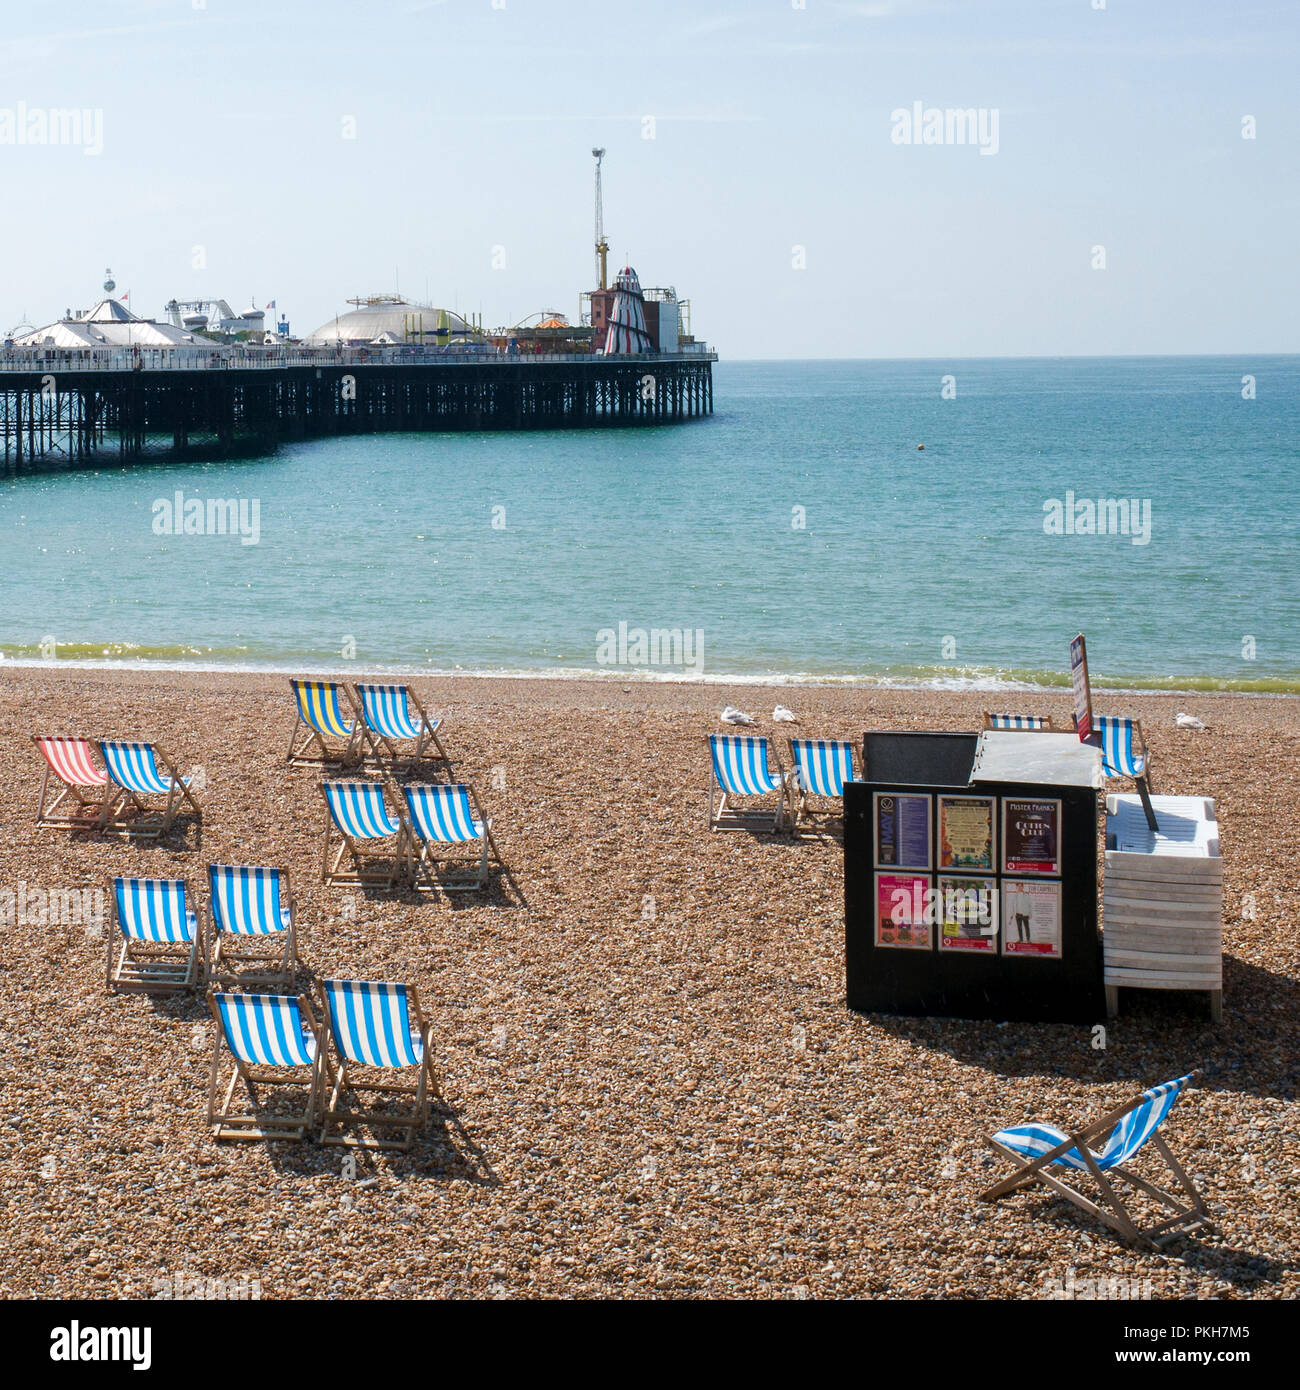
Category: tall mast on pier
<point>602,246</point>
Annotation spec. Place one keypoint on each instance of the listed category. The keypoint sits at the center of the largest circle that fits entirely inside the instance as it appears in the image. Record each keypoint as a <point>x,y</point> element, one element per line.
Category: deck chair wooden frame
<point>371,862</point>
<point>74,754</point>
<point>427,737</point>
<point>305,735</point>
<point>433,865</point>
<point>1188,1215</point>
<point>255,1123</point>
<point>132,813</point>
<point>1141,780</point>
<point>353,1077</point>
<point>255,960</point>
<point>729,816</point>
<point>153,967</point>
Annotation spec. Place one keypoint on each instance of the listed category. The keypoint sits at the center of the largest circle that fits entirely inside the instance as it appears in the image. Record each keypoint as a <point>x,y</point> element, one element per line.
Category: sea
<point>908,523</point>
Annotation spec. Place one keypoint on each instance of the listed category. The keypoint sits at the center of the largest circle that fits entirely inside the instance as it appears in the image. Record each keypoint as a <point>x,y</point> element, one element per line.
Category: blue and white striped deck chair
<point>1128,1128</point>
<point>740,767</point>
<point>376,1025</point>
<point>251,940</point>
<point>319,714</point>
<point>149,790</point>
<point>159,937</point>
<point>1123,752</point>
<point>1024,723</point>
<point>373,840</point>
<point>387,710</point>
<point>821,768</point>
<point>273,1040</point>
<point>440,815</point>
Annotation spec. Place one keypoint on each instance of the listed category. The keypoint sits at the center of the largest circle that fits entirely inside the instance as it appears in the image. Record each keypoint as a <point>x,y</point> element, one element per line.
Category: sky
<point>309,152</point>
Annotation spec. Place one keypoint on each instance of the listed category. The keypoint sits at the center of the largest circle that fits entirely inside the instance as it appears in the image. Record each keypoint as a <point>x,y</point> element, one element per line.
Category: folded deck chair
<point>150,790</point>
<point>740,768</point>
<point>821,768</point>
<point>319,715</point>
<point>440,815</point>
<point>160,939</point>
<point>82,788</point>
<point>272,1039</point>
<point>1031,723</point>
<point>379,1026</point>
<point>1128,1128</point>
<point>386,710</point>
<point>252,939</point>
<point>372,841</point>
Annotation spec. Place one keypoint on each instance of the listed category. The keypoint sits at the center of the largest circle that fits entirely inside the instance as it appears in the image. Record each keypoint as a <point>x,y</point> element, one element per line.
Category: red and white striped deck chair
<point>74,790</point>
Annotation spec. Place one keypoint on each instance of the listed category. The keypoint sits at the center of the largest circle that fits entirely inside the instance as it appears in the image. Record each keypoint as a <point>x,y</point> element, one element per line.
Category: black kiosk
<point>970,877</point>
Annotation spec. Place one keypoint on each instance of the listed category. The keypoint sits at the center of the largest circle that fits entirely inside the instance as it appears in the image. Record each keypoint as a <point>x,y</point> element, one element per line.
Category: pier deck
<point>81,409</point>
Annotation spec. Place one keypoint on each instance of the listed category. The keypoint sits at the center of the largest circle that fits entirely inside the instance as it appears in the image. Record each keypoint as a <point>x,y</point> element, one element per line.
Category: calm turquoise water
<point>387,543</point>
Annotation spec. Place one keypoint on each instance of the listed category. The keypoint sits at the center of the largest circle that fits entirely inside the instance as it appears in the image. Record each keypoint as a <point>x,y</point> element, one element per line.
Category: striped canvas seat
<point>70,762</point>
<point>270,1038</point>
<point>1119,756</point>
<point>394,716</point>
<point>134,767</point>
<point>446,813</point>
<point>143,773</point>
<point>740,766</point>
<point>821,768</point>
<point>374,1023</point>
<point>154,909</point>
<point>822,765</point>
<point>160,938</point>
<point>1031,722</point>
<point>321,722</point>
<point>1039,1147</point>
<point>386,711</point>
<point>371,1024</point>
<point>372,838</point>
<point>266,1030</point>
<point>252,939</point>
<point>441,813</point>
<point>1124,1141</point>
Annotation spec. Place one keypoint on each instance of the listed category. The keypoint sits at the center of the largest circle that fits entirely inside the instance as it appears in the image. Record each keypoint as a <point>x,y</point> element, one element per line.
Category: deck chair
<point>251,940</point>
<point>740,768</point>
<point>1128,1128</point>
<point>79,782</point>
<point>160,948</point>
<point>821,768</point>
<point>372,841</point>
<point>1028,723</point>
<point>1124,754</point>
<point>377,1026</point>
<point>319,715</point>
<point>445,814</point>
<point>150,790</point>
<point>386,710</point>
<point>272,1040</point>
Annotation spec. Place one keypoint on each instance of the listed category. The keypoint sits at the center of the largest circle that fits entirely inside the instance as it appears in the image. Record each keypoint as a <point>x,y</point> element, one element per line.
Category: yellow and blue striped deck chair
<point>319,714</point>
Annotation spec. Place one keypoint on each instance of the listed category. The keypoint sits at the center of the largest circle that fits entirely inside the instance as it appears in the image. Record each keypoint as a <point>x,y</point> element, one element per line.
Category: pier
<point>82,409</point>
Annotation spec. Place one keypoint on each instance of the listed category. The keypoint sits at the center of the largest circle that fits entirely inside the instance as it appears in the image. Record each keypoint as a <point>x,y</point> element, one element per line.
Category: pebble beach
<point>651,1086</point>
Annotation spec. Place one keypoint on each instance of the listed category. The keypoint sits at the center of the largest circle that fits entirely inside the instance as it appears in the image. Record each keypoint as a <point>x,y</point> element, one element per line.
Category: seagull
<point>731,715</point>
<point>784,716</point>
<point>1188,721</point>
